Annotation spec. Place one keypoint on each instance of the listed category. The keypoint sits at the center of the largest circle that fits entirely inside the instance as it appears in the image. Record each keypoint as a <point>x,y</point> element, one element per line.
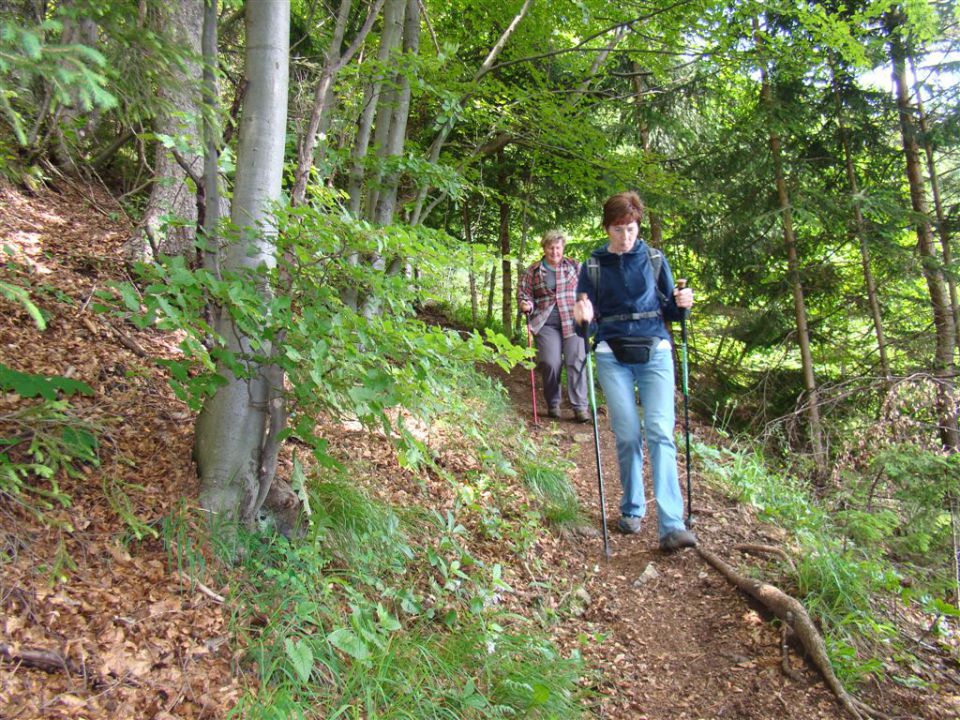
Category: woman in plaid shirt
<point>547,294</point>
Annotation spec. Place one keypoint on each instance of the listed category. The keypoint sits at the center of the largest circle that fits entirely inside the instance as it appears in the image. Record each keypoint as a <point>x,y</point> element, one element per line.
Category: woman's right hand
<point>526,306</point>
<point>583,311</point>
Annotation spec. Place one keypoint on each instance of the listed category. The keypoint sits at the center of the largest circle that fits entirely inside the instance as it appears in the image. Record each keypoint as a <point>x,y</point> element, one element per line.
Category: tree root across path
<point>792,613</point>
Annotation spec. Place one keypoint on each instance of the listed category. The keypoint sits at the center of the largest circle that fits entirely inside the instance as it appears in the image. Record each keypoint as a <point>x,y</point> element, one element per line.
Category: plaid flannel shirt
<point>533,288</point>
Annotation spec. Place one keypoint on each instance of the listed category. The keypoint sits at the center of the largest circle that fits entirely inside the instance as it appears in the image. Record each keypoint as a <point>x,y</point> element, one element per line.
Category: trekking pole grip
<point>681,285</point>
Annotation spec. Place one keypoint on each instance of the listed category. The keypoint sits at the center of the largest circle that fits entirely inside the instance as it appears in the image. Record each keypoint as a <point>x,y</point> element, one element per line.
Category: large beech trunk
<point>231,430</point>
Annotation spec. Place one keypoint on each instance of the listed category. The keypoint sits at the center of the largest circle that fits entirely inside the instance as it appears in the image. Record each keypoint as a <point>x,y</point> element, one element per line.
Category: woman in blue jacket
<point>626,289</point>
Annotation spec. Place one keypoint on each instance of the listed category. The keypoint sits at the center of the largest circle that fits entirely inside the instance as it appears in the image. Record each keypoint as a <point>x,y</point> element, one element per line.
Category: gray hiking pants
<point>550,346</point>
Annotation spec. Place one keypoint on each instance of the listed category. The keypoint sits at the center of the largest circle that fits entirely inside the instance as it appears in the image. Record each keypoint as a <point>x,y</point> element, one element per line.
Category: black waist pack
<point>633,350</point>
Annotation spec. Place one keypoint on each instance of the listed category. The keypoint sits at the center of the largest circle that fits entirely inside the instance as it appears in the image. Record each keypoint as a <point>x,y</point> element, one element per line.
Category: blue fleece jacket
<point>627,286</point>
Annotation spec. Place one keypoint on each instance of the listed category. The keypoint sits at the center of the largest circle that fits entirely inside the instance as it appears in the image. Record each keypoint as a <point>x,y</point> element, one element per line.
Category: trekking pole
<point>596,442</point>
<point>681,284</point>
<point>533,380</point>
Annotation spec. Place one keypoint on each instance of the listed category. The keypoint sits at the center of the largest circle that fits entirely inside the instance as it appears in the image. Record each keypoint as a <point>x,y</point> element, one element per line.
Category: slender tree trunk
<point>433,155</point>
<point>321,99</point>
<point>211,140</point>
<point>334,61</point>
<point>860,229</point>
<point>656,225</point>
<point>400,112</point>
<point>930,263</point>
<point>507,280</point>
<point>491,292</point>
<point>231,428</point>
<point>943,228</point>
<point>389,39</point>
<point>392,38</point>
<point>171,196</point>
<point>472,275</point>
<point>796,285</point>
<point>394,111</point>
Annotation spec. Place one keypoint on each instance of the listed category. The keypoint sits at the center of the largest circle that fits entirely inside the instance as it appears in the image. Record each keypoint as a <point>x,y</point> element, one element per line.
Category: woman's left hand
<point>683,298</point>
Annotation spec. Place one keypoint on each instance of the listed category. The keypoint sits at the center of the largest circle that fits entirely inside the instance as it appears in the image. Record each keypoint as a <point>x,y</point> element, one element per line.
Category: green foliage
<point>115,492</point>
<point>336,360</point>
<point>552,486</point>
<point>74,75</point>
<point>20,295</point>
<point>40,441</point>
<point>349,640</point>
<point>28,385</point>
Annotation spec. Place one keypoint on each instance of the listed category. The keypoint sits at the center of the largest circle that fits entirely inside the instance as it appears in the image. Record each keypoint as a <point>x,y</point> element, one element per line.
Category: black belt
<point>629,316</point>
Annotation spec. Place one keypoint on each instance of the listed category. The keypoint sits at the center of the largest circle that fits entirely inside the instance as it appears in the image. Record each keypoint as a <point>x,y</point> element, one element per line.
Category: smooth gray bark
<point>389,40</point>
<point>231,429</point>
<point>393,20</point>
<point>400,113</point>
<point>211,138</point>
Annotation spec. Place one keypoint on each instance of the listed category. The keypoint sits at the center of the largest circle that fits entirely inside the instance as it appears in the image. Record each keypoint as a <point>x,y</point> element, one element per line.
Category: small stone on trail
<point>649,573</point>
<point>579,601</point>
<point>582,437</point>
<point>588,531</point>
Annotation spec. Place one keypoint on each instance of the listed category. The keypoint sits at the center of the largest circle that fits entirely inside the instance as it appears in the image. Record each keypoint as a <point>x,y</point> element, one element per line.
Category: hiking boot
<point>677,539</point>
<point>554,412</point>
<point>581,415</point>
<point>629,524</point>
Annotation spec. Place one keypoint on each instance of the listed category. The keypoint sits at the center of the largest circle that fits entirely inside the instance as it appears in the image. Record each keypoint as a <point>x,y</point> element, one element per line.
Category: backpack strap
<point>593,272</point>
<point>656,263</point>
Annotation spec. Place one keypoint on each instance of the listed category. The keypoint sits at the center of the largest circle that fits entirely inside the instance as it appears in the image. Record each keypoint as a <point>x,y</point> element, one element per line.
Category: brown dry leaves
<point>140,639</point>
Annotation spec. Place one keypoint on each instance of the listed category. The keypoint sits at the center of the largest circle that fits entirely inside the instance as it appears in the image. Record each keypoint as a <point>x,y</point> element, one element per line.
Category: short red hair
<point>622,209</point>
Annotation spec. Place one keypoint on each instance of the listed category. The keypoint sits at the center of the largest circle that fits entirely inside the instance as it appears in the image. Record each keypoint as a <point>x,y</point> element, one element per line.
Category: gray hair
<point>553,236</point>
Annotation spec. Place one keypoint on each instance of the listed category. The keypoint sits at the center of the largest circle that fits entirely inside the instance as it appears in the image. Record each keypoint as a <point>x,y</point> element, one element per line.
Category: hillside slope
<point>100,620</point>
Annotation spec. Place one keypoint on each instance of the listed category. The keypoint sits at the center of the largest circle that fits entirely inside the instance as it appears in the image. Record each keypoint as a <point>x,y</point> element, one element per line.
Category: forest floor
<point>97,624</point>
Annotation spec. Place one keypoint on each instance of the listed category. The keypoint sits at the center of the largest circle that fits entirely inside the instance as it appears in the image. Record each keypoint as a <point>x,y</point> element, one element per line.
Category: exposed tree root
<point>757,549</point>
<point>791,612</point>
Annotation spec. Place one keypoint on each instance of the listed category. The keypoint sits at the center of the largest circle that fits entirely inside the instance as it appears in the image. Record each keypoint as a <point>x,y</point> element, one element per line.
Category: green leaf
<point>346,640</point>
<point>27,385</point>
<point>301,656</point>
<point>387,620</point>
<point>20,295</point>
<point>541,694</point>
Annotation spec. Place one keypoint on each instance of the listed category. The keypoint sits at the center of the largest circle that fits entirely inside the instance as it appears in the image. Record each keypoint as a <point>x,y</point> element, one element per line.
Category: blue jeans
<point>654,381</point>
